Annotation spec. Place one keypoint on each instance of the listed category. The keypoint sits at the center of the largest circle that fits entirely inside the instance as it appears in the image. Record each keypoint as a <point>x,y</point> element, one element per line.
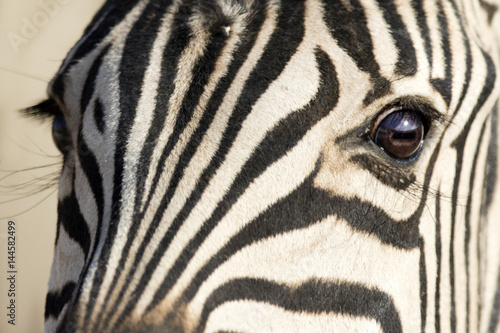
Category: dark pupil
<point>59,123</point>
<point>60,133</point>
<point>400,133</point>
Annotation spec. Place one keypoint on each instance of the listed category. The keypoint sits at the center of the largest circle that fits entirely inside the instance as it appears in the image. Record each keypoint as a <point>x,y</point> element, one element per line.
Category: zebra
<point>278,166</point>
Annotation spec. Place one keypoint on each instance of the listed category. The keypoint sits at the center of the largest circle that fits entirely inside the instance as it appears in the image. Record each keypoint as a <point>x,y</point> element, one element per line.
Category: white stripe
<point>138,134</point>
<point>213,136</point>
<point>384,48</point>
<point>438,61</point>
<point>120,31</point>
<point>261,120</point>
<point>457,48</point>
<point>328,250</point>
<point>250,316</point>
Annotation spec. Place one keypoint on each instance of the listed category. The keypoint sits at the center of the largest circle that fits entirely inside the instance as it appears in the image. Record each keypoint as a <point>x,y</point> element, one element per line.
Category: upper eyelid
<point>426,108</point>
<point>415,103</point>
<point>421,105</point>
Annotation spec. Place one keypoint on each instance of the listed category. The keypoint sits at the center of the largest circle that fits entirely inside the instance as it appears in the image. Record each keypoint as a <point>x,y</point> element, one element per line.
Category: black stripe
<point>111,14</point>
<point>437,292</point>
<point>276,144</point>
<point>453,315</point>
<point>421,16</point>
<point>69,214</point>
<point>180,36</point>
<point>89,89</point>
<point>132,70</point>
<point>398,177</point>
<point>90,81</point>
<point>423,286</point>
<point>91,169</point>
<point>489,182</point>
<point>490,9</point>
<point>99,115</point>
<point>302,208</point>
<point>490,171</point>
<point>407,58</point>
<point>87,159</point>
<point>202,73</point>
<point>459,145</point>
<point>348,26</point>
<point>212,106</point>
<point>468,210</point>
<point>282,45</point>
<point>73,222</point>
<point>269,64</point>
<point>495,311</point>
<point>55,301</point>
<point>468,60</point>
<point>313,296</point>
<point>443,86</point>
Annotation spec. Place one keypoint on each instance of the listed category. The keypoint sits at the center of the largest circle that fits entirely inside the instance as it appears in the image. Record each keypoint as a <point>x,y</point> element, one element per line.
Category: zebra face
<point>277,166</point>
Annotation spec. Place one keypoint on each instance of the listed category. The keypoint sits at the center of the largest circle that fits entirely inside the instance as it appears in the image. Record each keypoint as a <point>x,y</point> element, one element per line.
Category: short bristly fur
<point>224,172</point>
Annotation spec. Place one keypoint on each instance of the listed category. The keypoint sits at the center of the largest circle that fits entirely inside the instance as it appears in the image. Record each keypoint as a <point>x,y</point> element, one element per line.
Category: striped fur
<point>222,179</point>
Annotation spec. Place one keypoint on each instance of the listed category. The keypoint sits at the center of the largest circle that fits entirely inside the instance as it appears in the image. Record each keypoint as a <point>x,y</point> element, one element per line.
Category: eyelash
<point>46,110</point>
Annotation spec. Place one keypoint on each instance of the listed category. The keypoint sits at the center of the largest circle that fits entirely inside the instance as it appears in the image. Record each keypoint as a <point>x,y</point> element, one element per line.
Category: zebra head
<point>285,166</point>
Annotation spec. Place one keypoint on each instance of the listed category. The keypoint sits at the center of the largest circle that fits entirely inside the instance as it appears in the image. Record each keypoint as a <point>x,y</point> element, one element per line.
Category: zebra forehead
<point>221,12</point>
<point>255,154</point>
<point>346,20</point>
<point>111,22</point>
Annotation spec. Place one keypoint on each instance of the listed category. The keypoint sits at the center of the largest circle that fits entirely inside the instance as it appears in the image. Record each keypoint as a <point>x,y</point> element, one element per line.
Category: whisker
<point>33,206</point>
<point>28,195</point>
<point>50,179</point>
<point>42,154</point>
<point>30,76</point>
<point>14,172</point>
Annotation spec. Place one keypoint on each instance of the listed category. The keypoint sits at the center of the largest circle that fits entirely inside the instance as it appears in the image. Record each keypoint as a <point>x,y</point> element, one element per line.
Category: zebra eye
<point>60,134</point>
<point>399,133</point>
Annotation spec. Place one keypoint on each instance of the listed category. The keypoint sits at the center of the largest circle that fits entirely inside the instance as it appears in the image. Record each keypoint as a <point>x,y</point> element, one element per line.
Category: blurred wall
<point>29,161</point>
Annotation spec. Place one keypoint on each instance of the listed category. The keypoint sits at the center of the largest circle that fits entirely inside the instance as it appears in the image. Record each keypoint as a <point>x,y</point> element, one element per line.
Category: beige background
<point>26,143</point>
